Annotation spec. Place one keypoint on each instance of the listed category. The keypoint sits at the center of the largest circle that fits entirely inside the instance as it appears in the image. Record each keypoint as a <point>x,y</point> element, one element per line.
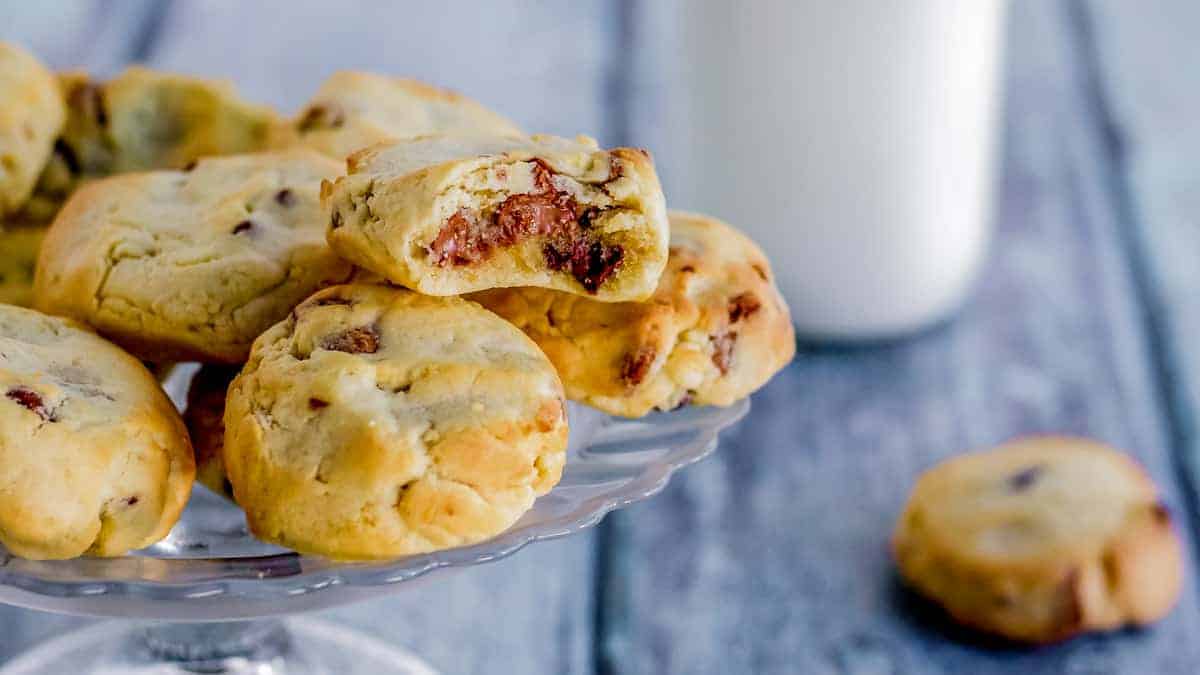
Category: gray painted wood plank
<point>1151,57</point>
<point>772,556</point>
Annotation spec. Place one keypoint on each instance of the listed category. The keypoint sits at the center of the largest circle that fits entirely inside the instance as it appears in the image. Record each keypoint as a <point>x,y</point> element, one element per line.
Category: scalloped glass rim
<point>210,569</point>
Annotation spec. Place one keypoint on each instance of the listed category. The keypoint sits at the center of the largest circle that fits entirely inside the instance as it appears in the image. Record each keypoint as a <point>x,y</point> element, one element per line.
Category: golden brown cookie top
<point>715,329</point>
<point>376,422</point>
<point>192,265</point>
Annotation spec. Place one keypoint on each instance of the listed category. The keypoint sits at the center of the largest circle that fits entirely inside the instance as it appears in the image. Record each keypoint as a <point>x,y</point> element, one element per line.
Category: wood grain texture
<point>1149,56</point>
<point>772,557</point>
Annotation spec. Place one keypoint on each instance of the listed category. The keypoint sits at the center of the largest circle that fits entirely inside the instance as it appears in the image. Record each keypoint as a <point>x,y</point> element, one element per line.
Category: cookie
<point>1040,539</point>
<point>205,420</point>
<point>447,215</point>
<point>94,458</point>
<point>354,110</point>
<point>143,120</point>
<point>376,422</point>
<point>31,115</point>
<point>191,265</point>
<point>19,245</point>
<point>715,330</point>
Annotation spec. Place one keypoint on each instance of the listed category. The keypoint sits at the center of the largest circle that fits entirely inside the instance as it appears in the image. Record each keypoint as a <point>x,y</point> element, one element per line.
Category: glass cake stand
<point>211,596</point>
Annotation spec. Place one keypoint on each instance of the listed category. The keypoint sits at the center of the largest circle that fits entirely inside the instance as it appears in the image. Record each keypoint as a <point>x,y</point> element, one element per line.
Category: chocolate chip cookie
<point>376,422</point>
<point>142,120</point>
<point>354,110</point>
<point>1041,539</point>
<point>191,265</point>
<point>94,458</point>
<point>715,330</point>
<point>31,115</point>
<point>445,215</point>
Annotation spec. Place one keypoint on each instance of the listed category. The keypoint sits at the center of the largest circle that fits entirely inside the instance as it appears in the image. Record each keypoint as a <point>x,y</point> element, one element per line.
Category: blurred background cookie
<point>31,114</point>
<point>205,420</point>
<point>714,331</point>
<point>375,422</point>
<point>353,110</point>
<point>1041,539</point>
<point>19,246</point>
<point>93,456</point>
<point>192,265</point>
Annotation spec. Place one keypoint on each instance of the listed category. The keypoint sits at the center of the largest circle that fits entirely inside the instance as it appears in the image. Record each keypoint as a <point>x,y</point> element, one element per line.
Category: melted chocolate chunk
<point>322,116</point>
<point>722,356</point>
<point>131,500</point>
<point>285,197</point>
<point>636,366</point>
<point>547,212</point>
<point>743,306</point>
<point>335,220</point>
<point>32,401</point>
<point>590,263</point>
<point>1024,479</point>
<point>364,340</point>
<point>317,404</point>
<point>244,226</point>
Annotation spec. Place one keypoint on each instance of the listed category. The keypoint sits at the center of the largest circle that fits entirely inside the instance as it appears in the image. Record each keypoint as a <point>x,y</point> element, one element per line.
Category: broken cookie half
<point>447,215</point>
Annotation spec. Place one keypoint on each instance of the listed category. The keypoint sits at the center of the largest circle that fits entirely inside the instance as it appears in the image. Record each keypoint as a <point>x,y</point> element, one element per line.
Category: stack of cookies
<point>392,295</point>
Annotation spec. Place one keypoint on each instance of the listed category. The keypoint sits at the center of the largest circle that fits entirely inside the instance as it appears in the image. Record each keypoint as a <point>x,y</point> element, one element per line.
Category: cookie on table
<point>143,120</point>
<point>445,215</point>
<point>31,115</point>
<point>191,265</point>
<point>205,420</point>
<point>354,110</point>
<point>1040,539</point>
<point>376,422</point>
<point>19,246</point>
<point>715,330</point>
<point>94,458</point>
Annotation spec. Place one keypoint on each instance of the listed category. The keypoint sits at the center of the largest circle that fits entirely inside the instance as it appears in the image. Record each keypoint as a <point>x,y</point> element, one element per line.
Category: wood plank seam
<point>1181,431</point>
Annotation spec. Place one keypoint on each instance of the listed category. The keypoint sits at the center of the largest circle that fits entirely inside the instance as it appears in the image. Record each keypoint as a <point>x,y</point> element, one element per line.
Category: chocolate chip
<point>364,340</point>
<point>243,226</point>
<point>762,273</point>
<point>1024,479</point>
<point>743,306</point>
<point>590,263</point>
<point>88,99</point>
<point>285,197</point>
<point>317,404</point>
<point>131,500</point>
<point>688,269</point>
<point>32,401</point>
<point>335,220</point>
<point>324,115</point>
<point>636,366</point>
<point>1161,513</point>
<point>190,166</point>
<point>67,153</point>
<point>722,356</point>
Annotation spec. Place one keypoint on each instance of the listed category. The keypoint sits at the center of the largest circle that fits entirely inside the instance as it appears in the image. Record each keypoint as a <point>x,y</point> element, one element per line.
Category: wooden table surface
<point>772,556</point>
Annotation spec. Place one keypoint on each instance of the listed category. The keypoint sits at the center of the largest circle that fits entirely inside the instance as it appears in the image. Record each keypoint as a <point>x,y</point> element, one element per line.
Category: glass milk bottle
<point>852,139</point>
